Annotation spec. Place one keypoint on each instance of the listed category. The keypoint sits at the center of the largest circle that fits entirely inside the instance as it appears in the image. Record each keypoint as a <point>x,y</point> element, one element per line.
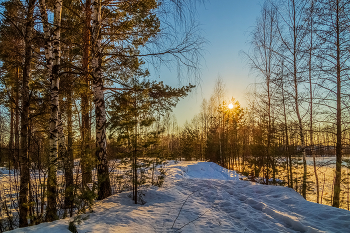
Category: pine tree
<point>132,112</point>
<point>24,159</point>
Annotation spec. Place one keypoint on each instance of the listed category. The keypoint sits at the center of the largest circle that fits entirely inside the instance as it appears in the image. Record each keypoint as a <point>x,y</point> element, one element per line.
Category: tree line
<point>297,108</point>
<point>77,95</point>
<point>300,50</point>
<point>81,118</point>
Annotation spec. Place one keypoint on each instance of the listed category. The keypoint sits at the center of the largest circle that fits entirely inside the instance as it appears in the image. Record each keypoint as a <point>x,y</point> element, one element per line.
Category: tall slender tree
<point>53,59</point>
<point>332,24</point>
<point>104,187</point>
<point>86,158</point>
<point>24,157</point>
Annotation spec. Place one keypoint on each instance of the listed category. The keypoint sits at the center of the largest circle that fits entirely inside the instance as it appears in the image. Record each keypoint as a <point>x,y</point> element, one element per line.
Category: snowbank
<point>204,197</point>
<point>200,170</point>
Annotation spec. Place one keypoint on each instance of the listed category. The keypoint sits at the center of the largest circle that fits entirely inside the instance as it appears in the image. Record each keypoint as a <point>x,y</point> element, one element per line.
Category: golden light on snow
<point>230,106</point>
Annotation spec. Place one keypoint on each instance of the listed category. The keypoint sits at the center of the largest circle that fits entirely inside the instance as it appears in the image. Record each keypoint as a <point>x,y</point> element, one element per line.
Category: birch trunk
<point>104,187</point>
<point>24,159</point>
<point>296,97</point>
<point>51,214</point>
<point>288,154</point>
<point>268,40</point>
<point>311,106</point>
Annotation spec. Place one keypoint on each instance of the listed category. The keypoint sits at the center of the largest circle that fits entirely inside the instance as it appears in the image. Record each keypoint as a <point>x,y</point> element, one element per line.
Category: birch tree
<point>311,16</point>
<point>53,56</point>
<point>262,59</point>
<point>104,186</point>
<point>292,36</point>
<point>333,23</point>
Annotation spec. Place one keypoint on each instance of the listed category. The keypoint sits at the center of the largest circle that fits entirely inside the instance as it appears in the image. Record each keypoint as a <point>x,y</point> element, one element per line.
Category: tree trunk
<point>10,145</point>
<point>24,158</point>
<point>86,159</point>
<point>296,98</point>
<point>288,154</point>
<point>16,154</point>
<point>311,107</point>
<point>338,149</point>
<point>62,149</point>
<point>69,161</point>
<point>51,213</point>
<point>135,152</point>
<point>104,187</point>
<point>268,156</point>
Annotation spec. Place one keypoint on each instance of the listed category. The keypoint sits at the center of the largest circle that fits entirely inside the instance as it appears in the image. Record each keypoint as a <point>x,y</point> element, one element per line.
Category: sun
<point>230,106</point>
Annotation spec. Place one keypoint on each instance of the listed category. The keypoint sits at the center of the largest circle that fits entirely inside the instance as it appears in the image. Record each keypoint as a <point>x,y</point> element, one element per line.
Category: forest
<point>297,109</point>
<point>82,116</point>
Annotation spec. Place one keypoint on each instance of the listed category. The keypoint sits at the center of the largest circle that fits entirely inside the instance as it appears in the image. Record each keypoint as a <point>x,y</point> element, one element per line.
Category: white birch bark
<point>311,102</point>
<point>55,73</point>
<point>104,188</point>
<point>52,52</point>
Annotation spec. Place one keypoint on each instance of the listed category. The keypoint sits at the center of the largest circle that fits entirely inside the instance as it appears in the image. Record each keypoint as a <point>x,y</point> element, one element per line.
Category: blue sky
<point>226,25</point>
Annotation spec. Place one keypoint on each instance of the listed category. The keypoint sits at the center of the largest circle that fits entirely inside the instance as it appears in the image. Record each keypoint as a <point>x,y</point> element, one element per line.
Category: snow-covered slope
<point>204,197</point>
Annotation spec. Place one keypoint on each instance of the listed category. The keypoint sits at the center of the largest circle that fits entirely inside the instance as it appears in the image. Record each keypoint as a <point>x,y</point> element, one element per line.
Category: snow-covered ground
<point>204,197</point>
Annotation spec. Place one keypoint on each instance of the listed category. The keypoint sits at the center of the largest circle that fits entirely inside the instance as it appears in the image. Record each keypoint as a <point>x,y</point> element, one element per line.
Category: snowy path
<point>216,202</point>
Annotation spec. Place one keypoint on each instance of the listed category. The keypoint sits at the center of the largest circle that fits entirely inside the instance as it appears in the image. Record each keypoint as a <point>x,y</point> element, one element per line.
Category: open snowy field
<point>204,197</point>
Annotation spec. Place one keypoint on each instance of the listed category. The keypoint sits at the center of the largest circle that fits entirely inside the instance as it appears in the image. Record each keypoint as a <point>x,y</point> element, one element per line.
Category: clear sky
<point>226,25</point>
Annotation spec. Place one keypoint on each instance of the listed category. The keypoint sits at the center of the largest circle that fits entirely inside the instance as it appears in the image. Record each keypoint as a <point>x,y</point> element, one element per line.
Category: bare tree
<point>262,59</point>
<point>310,15</point>
<point>292,36</point>
<point>333,23</point>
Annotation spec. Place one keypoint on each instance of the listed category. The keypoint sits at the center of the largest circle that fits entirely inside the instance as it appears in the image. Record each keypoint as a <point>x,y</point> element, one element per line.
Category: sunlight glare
<point>230,106</point>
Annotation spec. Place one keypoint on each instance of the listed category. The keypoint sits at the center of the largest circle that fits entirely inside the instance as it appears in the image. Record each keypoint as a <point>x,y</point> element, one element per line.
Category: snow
<point>204,197</point>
